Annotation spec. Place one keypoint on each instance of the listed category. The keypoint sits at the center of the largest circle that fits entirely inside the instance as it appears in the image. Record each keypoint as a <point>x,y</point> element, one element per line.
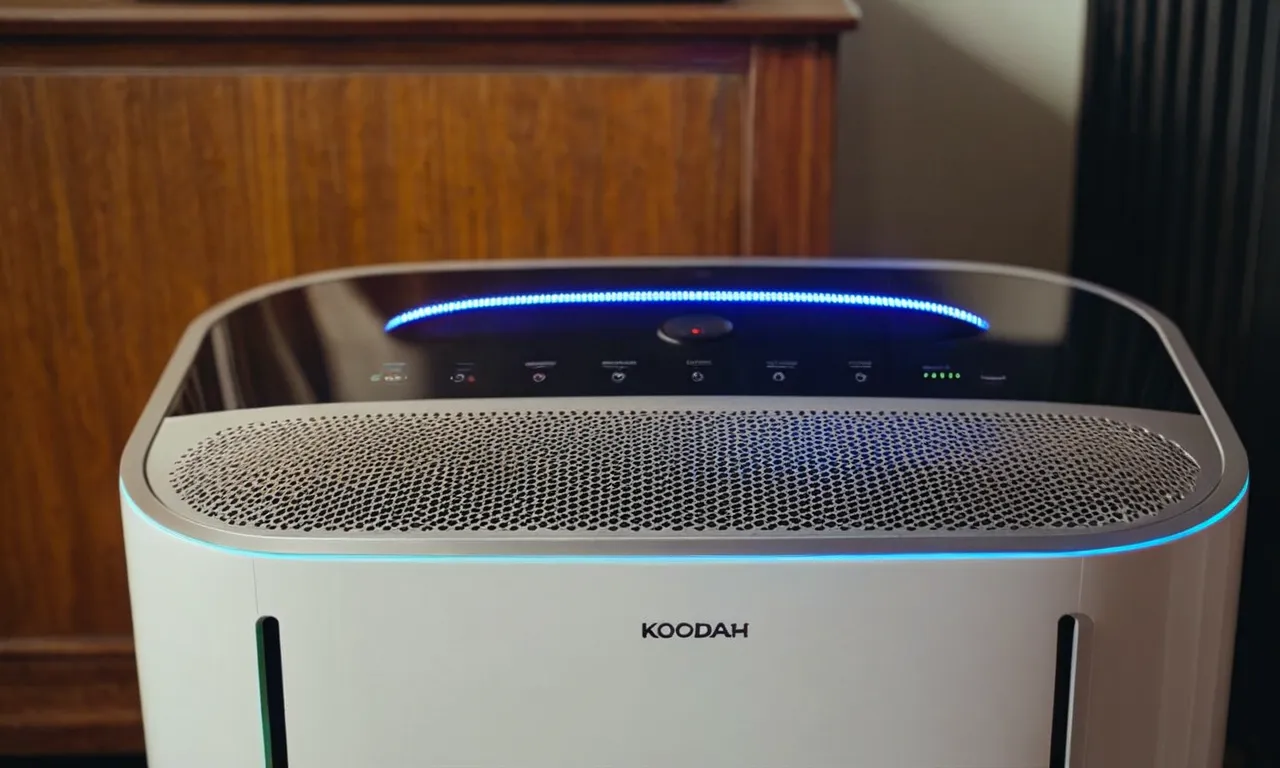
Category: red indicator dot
<point>471,379</point>
<point>695,331</point>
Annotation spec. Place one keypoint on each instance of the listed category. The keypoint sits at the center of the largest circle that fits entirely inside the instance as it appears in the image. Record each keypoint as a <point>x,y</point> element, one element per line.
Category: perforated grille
<point>690,471</point>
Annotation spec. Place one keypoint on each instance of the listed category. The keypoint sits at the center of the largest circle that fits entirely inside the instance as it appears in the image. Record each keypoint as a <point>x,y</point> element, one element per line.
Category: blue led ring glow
<point>1115,549</point>
<point>691,296</point>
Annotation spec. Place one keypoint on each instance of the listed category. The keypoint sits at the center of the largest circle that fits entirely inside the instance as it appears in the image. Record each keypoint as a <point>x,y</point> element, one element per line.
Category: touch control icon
<point>697,376</point>
<point>860,377</point>
<point>539,377</point>
<point>779,376</point>
<point>617,377</point>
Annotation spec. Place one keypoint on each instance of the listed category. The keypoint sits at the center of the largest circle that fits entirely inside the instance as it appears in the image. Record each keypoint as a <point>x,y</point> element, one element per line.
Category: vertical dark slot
<point>271,690</point>
<point>1063,682</point>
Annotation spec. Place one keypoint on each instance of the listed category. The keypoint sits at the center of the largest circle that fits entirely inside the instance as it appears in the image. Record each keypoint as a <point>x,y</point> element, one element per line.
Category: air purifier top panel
<point>623,332</point>
<point>711,407</point>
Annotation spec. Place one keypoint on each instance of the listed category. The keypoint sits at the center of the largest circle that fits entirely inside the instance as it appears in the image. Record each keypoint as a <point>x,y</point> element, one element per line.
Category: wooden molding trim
<point>792,105</point>
<point>99,18</point>
<point>182,55</point>
<point>69,695</point>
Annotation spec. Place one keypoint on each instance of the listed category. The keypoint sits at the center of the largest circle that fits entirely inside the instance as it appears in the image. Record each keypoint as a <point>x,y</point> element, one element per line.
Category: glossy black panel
<point>326,342</point>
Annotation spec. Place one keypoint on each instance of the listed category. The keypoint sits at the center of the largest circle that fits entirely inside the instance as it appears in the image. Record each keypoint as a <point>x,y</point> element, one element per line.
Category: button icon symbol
<point>859,377</point>
<point>779,376</point>
<point>539,377</point>
<point>458,378</point>
<point>618,377</point>
<point>391,373</point>
<point>697,376</point>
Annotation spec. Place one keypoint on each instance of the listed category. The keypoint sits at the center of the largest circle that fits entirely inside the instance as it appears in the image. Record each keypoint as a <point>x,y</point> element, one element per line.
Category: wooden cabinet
<point>155,158</point>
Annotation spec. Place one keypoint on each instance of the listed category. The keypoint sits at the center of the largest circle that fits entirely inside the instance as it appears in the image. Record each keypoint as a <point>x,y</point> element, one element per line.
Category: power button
<point>691,329</point>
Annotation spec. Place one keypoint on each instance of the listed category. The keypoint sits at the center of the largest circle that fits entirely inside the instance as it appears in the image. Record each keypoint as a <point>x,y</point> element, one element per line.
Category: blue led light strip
<point>685,297</point>
<point>910,556</point>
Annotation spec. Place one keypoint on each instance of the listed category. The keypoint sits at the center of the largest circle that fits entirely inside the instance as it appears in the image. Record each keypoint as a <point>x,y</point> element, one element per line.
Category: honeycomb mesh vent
<point>596,472</point>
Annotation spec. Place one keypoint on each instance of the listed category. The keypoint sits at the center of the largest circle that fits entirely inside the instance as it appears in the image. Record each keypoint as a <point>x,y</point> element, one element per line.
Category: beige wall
<point>957,130</point>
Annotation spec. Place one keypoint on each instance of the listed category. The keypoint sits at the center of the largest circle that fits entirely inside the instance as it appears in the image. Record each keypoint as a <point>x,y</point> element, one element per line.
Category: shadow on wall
<point>957,130</point>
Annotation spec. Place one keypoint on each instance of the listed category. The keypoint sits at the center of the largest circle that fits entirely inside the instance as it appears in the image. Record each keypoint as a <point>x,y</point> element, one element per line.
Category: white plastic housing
<point>491,663</point>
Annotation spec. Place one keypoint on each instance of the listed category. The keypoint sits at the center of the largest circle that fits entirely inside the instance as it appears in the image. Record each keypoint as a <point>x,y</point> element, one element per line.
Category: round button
<point>458,378</point>
<point>539,377</point>
<point>617,377</point>
<point>690,329</point>
<point>779,376</point>
<point>697,376</point>
<point>859,377</point>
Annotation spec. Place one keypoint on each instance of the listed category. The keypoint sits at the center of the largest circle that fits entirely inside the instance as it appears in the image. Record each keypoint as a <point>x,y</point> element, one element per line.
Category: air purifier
<point>715,513</point>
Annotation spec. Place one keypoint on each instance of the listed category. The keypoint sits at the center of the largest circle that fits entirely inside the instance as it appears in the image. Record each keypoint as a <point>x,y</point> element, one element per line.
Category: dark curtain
<point>1178,203</point>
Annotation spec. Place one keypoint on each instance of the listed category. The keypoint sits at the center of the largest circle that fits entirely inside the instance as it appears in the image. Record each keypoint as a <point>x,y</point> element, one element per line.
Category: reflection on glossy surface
<point>326,342</point>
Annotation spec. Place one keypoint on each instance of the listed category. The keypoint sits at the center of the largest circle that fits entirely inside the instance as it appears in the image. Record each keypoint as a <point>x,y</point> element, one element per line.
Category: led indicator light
<point>691,296</point>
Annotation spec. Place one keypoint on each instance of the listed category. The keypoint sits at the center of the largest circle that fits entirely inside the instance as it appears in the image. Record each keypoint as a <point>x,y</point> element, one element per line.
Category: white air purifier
<point>684,514</point>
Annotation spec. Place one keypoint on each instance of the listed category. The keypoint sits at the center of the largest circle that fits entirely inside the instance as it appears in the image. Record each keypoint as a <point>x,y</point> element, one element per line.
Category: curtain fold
<point>1178,204</point>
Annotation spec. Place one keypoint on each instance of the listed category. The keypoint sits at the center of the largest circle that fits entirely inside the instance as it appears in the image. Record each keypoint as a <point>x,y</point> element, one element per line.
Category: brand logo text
<point>666,630</point>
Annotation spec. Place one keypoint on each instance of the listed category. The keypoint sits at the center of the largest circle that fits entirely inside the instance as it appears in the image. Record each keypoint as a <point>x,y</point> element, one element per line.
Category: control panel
<point>494,375</point>
<point>750,351</point>
<point>785,329</point>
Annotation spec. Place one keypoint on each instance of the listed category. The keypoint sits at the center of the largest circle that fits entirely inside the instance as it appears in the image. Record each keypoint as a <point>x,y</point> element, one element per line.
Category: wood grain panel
<point>792,149</point>
<point>59,696</point>
<point>154,161</point>
<point>131,201</point>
